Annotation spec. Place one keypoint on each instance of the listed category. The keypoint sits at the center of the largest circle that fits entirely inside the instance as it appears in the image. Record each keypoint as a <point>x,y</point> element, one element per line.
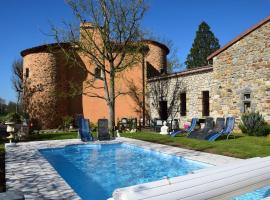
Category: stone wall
<point>156,56</point>
<point>46,88</point>
<point>193,83</point>
<point>243,68</point>
<point>40,88</point>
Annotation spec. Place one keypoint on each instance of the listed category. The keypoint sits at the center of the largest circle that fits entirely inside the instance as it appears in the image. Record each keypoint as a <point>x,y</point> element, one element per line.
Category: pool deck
<point>28,171</point>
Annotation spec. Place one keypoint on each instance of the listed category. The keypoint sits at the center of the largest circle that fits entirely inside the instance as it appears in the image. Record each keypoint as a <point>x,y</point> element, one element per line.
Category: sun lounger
<point>103,130</point>
<point>84,130</point>
<point>209,124</point>
<point>226,131</point>
<point>219,126</point>
<point>188,130</point>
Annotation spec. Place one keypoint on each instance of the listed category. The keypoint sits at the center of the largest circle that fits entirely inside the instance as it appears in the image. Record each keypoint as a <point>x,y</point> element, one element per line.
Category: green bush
<point>93,126</point>
<point>14,117</point>
<point>67,121</point>
<point>251,123</point>
<point>263,130</point>
<point>3,118</point>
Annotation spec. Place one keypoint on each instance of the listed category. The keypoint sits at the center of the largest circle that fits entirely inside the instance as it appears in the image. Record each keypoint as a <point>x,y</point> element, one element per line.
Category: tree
<point>17,79</point>
<point>11,107</point>
<point>3,106</point>
<point>112,43</point>
<point>167,90</point>
<point>204,44</point>
<point>173,62</point>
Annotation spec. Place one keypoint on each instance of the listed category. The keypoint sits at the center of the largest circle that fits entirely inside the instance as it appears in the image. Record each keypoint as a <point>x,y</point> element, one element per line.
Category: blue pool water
<point>94,171</point>
<point>255,195</point>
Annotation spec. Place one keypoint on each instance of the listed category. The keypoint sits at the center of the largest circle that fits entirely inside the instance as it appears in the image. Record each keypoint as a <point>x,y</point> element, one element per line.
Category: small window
<point>98,73</point>
<point>26,72</point>
<point>247,107</point>
<point>205,103</point>
<point>247,102</point>
<point>246,96</point>
<point>183,104</point>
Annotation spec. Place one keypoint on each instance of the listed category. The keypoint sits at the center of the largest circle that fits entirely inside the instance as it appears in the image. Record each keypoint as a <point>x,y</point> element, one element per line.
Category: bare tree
<point>3,106</point>
<point>17,79</point>
<point>165,89</point>
<point>111,42</point>
<point>136,93</point>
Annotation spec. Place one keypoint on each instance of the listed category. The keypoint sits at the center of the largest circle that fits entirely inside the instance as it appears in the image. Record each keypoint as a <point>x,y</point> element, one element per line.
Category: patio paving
<point>28,171</point>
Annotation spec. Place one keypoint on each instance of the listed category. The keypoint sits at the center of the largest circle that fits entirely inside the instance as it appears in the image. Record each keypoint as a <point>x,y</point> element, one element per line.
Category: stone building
<point>238,80</point>
<point>48,74</point>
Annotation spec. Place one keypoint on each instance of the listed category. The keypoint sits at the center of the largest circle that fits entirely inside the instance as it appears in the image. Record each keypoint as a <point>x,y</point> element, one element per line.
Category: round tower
<point>46,76</point>
<point>157,55</point>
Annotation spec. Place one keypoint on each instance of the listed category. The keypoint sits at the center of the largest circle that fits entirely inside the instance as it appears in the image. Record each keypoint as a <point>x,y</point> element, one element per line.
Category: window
<point>205,103</point>
<point>26,72</point>
<point>98,73</point>
<point>183,104</point>
<point>246,102</point>
<point>247,96</point>
<point>163,110</point>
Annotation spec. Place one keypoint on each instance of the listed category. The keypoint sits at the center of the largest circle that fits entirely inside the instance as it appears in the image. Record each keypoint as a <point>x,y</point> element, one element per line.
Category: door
<point>163,110</point>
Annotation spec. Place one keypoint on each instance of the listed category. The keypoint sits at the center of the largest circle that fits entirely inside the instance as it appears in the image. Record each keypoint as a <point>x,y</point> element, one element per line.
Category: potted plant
<point>13,121</point>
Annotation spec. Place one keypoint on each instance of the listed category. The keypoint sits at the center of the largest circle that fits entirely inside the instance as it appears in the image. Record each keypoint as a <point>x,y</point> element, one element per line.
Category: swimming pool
<point>94,171</point>
<point>255,195</point>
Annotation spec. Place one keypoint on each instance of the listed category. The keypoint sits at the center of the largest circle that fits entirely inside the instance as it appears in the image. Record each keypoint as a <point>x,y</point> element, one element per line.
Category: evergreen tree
<point>204,44</point>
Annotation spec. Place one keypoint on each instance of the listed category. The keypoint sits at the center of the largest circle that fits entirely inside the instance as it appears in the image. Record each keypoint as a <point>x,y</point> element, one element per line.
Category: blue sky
<point>24,22</point>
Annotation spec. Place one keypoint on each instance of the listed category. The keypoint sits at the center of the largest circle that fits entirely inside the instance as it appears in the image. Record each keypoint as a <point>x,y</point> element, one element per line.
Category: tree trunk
<point>111,118</point>
<point>112,103</point>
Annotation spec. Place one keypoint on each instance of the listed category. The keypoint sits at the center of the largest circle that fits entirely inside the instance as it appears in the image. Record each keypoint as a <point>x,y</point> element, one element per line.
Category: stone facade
<point>191,82</point>
<point>242,75</point>
<point>45,88</point>
<point>238,82</point>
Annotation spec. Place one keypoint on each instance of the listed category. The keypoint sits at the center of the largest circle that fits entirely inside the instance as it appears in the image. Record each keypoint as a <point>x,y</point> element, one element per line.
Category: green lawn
<point>240,147</point>
<point>52,136</point>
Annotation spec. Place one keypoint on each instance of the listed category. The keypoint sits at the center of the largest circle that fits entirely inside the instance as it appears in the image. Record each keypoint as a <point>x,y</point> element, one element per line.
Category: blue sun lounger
<point>84,130</point>
<point>226,131</point>
<point>188,130</point>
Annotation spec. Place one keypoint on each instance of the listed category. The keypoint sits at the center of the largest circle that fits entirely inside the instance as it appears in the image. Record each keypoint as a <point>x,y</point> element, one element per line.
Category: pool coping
<point>29,172</point>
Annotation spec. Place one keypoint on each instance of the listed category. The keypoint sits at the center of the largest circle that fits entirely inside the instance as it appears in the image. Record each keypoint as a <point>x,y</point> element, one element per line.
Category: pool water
<point>94,171</point>
<point>255,195</point>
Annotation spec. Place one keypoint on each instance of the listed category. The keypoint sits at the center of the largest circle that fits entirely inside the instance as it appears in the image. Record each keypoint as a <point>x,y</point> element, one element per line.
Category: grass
<point>52,136</point>
<point>55,136</point>
<point>240,147</point>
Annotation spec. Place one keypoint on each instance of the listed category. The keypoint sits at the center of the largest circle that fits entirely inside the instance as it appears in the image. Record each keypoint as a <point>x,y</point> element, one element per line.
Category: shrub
<point>67,121</point>
<point>93,126</point>
<point>251,123</point>
<point>263,130</point>
<point>14,117</point>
